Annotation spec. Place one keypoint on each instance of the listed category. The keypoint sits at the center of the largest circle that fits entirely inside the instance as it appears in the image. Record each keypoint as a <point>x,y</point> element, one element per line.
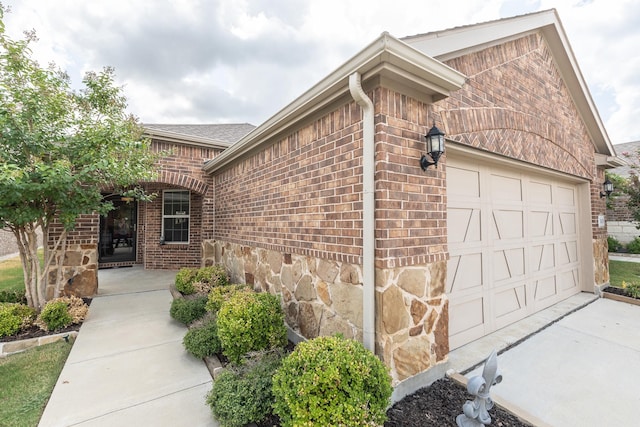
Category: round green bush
<point>214,275</point>
<point>55,315</point>
<point>13,296</point>
<point>184,280</point>
<point>331,381</point>
<point>613,244</point>
<point>243,395</point>
<point>188,310</point>
<point>634,246</point>
<point>220,294</point>
<point>202,341</point>
<point>13,316</point>
<point>250,322</point>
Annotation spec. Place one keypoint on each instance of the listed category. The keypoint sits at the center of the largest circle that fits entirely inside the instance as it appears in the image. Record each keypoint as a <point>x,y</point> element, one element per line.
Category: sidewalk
<point>128,366</point>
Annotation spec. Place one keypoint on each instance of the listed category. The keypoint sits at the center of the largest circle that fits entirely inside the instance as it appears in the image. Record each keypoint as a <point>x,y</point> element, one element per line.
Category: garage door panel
<point>513,245</point>
<point>568,280</point>
<point>566,195</point>
<point>540,223</point>
<point>567,222</point>
<point>506,188</point>
<point>510,305</point>
<point>567,252</point>
<point>467,227</point>
<point>508,264</point>
<point>545,288</point>
<point>469,323</point>
<point>542,257</point>
<point>540,193</point>
<point>508,224</point>
<point>464,272</point>
<point>463,182</point>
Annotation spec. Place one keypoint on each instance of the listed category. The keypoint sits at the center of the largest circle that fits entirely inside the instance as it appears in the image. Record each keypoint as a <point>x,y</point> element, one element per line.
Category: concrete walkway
<point>583,370</point>
<point>128,366</point>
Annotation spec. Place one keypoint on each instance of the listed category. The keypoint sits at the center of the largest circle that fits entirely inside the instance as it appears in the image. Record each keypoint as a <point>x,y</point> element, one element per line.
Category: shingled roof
<point>216,134</point>
<point>633,158</point>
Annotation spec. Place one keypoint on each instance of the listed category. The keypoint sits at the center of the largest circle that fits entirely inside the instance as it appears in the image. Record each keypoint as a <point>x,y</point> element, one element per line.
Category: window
<point>175,216</point>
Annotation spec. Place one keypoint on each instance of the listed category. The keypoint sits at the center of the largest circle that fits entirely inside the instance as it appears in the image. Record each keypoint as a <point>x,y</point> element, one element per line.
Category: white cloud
<point>242,60</point>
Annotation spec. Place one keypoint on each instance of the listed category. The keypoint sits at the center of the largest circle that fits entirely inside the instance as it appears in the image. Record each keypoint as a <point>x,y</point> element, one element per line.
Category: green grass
<point>27,381</point>
<point>623,271</point>
<point>11,276</point>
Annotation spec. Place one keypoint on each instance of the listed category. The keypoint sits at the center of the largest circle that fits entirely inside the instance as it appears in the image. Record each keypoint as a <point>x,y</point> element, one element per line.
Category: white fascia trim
<point>398,60</point>
<point>180,138</point>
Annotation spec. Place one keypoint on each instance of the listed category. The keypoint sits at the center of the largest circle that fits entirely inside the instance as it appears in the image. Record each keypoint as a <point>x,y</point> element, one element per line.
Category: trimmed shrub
<point>331,381</point>
<point>184,280</point>
<point>613,244</point>
<point>251,321</point>
<point>14,317</point>
<point>188,310</point>
<point>54,315</point>
<point>13,296</point>
<point>220,294</point>
<point>200,280</point>
<point>634,246</point>
<point>243,395</point>
<point>62,312</point>
<point>202,340</point>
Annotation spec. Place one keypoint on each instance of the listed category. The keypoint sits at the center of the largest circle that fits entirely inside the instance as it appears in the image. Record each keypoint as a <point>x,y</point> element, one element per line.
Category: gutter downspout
<point>368,213</point>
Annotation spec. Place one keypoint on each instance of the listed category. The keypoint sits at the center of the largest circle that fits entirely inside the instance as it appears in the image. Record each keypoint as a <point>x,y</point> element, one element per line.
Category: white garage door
<point>513,244</point>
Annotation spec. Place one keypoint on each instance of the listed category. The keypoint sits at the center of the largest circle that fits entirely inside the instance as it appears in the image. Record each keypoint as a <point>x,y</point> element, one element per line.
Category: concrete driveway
<point>128,366</point>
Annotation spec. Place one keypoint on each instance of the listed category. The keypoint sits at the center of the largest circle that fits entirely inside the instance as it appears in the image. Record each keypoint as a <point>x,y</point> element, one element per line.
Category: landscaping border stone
<point>13,347</point>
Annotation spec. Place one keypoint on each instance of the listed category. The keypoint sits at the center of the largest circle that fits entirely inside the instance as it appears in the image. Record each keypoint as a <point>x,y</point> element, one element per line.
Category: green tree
<point>59,150</point>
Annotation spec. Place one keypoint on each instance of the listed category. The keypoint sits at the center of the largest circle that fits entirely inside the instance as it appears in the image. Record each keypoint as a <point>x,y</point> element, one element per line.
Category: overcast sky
<point>225,61</point>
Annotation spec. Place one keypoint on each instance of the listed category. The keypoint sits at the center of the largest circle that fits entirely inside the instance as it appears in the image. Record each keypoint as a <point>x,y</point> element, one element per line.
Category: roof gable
<point>448,44</point>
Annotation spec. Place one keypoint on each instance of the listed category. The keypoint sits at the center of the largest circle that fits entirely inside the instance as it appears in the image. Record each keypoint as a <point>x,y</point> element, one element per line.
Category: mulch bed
<point>617,291</point>
<point>35,332</point>
<point>437,405</point>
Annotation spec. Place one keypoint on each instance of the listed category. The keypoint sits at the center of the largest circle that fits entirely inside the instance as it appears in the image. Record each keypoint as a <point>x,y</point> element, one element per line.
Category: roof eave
<point>184,139</point>
<point>386,57</point>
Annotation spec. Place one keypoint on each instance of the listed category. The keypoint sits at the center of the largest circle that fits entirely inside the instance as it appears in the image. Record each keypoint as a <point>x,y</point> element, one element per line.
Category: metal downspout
<point>368,213</point>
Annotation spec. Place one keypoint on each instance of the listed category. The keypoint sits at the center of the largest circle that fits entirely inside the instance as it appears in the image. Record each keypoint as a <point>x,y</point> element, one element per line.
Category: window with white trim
<point>175,216</point>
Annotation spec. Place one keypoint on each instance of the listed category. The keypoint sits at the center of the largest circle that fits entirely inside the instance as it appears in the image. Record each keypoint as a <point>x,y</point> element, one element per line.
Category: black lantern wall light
<point>435,147</point>
<point>607,186</point>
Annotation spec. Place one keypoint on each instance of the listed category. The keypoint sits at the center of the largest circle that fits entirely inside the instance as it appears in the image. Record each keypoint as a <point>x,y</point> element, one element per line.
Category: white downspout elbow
<point>368,213</point>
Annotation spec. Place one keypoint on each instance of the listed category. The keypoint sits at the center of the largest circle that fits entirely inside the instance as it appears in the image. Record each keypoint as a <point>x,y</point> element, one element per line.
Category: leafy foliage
<point>13,296</point>
<point>202,340</point>
<point>188,310</point>
<point>200,280</point>
<point>62,312</point>
<point>251,321</point>
<point>634,246</point>
<point>217,296</point>
<point>13,317</point>
<point>331,381</point>
<point>613,244</point>
<point>59,150</point>
<point>632,288</point>
<point>54,315</point>
<point>242,395</point>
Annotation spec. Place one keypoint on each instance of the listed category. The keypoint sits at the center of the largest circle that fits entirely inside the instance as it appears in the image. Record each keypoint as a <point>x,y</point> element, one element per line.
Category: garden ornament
<point>476,413</point>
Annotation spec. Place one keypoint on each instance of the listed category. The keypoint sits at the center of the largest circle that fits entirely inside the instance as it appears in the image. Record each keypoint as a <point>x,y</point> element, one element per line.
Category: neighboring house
<point>326,203</point>
<point>620,222</point>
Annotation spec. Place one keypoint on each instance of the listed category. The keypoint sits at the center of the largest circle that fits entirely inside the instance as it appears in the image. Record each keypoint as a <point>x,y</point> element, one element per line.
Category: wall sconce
<point>607,186</point>
<point>435,147</point>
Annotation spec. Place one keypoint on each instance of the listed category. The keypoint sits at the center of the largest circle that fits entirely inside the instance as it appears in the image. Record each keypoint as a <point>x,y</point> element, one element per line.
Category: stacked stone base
<point>323,297</point>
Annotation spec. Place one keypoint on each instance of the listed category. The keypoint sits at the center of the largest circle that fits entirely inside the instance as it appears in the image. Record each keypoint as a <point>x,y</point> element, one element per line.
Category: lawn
<point>11,278</point>
<point>28,379</point>
<point>623,270</point>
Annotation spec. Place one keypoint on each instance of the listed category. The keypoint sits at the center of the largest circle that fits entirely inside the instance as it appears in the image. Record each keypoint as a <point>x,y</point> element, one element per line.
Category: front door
<point>117,241</point>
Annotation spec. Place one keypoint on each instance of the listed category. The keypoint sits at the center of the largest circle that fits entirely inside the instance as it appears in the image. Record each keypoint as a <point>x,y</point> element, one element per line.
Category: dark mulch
<point>35,332</point>
<point>437,405</point>
<point>617,291</point>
